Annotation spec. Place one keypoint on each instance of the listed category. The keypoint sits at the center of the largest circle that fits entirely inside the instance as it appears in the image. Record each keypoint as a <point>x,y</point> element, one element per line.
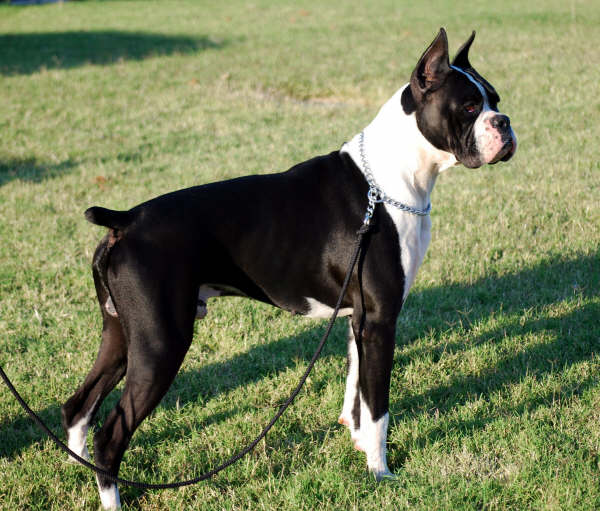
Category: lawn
<point>495,401</point>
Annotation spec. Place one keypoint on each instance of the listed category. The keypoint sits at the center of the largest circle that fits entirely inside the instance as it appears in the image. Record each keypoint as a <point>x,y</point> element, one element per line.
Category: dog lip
<point>510,144</point>
<point>506,153</point>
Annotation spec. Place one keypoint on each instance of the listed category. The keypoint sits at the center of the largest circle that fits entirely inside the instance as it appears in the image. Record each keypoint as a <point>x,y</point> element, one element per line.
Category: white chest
<point>414,234</point>
<point>405,166</point>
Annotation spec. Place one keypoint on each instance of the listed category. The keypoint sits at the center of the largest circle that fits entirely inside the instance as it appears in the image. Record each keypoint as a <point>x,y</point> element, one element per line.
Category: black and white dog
<point>285,239</point>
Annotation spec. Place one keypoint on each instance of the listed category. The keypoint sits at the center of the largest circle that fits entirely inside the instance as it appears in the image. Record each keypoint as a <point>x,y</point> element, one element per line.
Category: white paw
<point>384,475</point>
<point>109,496</point>
<point>77,435</point>
<point>345,420</point>
<point>358,441</point>
<point>85,454</point>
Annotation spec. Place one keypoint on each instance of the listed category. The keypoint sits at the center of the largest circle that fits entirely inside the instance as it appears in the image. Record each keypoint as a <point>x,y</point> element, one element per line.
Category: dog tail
<point>110,218</point>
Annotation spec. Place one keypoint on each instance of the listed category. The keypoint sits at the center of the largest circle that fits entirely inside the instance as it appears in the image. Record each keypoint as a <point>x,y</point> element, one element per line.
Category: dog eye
<point>471,108</point>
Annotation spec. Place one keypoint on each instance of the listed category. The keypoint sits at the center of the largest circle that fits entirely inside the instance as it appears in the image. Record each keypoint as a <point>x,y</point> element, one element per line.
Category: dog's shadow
<point>439,310</point>
<point>436,310</point>
<point>549,303</point>
<point>27,53</point>
<point>32,170</point>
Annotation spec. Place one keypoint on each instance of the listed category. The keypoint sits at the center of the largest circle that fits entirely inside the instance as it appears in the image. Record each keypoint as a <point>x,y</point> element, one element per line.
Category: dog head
<point>456,109</point>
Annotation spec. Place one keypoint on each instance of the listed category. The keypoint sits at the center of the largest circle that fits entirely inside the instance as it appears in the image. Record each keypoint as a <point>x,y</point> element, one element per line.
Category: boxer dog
<point>284,239</point>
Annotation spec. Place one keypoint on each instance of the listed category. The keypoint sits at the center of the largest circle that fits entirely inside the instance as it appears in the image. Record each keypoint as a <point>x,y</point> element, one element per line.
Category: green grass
<point>495,398</point>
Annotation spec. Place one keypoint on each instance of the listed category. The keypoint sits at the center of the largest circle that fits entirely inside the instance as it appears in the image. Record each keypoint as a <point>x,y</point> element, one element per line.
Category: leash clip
<point>374,195</point>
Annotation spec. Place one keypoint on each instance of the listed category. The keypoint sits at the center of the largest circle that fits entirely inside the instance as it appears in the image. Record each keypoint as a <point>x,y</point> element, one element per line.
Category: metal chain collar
<point>376,194</point>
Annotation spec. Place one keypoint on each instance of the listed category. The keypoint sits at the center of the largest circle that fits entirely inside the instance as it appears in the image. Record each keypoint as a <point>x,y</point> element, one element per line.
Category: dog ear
<point>462,61</point>
<point>462,56</point>
<point>432,68</point>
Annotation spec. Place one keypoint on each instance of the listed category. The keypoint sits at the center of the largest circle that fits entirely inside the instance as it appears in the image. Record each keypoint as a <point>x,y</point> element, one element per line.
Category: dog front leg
<point>350,415</point>
<point>375,347</point>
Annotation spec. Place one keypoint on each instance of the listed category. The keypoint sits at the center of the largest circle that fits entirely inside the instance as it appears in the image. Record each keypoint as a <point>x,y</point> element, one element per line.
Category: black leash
<point>159,486</point>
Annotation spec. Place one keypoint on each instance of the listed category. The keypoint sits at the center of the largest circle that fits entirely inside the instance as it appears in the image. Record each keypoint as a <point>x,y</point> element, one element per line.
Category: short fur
<point>284,239</point>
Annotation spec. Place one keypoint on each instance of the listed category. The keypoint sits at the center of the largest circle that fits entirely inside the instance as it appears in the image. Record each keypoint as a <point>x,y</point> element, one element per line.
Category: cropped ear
<point>462,56</point>
<point>462,61</point>
<point>433,67</point>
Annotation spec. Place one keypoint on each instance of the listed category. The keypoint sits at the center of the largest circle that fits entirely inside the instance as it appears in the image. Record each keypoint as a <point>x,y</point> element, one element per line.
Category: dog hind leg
<point>147,381</point>
<point>107,371</point>
<point>159,335</point>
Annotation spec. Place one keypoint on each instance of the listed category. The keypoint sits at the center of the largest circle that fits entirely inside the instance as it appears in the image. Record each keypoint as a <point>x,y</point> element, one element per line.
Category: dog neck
<point>403,162</point>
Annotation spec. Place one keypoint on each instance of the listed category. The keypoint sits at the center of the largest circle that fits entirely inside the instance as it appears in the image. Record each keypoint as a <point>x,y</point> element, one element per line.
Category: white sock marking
<point>373,436</point>
<point>109,496</point>
<point>77,435</point>
<point>351,382</point>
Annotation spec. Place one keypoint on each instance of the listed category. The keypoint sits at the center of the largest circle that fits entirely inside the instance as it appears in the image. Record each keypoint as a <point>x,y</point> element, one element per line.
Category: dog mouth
<point>506,153</point>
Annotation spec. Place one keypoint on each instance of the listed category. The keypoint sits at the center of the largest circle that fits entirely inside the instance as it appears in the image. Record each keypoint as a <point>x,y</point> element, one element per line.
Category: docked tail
<point>109,217</point>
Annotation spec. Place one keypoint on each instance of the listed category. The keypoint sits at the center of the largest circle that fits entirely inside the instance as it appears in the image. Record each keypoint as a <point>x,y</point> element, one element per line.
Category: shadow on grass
<point>30,169</point>
<point>32,52</point>
<point>550,282</point>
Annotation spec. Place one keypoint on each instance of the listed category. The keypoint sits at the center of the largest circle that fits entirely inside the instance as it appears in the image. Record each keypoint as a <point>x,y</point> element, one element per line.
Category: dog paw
<point>85,454</point>
<point>342,420</point>
<point>358,446</point>
<point>384,475</point>
<point>109,497</point>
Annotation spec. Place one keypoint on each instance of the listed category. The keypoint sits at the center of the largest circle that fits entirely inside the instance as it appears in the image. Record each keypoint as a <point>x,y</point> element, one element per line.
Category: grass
<point>495,398</point>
